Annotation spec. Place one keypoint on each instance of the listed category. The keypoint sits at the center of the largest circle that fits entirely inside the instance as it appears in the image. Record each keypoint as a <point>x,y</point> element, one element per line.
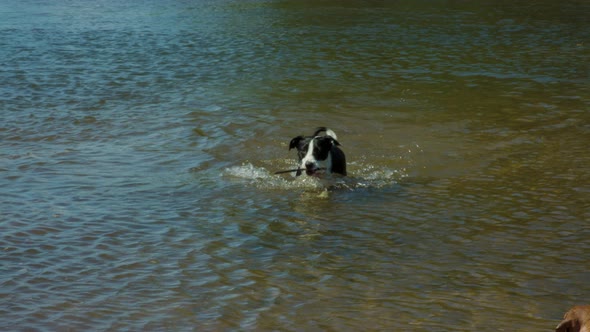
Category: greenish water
<point>139,141</point>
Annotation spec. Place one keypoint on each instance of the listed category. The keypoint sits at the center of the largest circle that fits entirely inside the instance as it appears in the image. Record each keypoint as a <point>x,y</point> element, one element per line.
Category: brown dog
<point>577,319</point>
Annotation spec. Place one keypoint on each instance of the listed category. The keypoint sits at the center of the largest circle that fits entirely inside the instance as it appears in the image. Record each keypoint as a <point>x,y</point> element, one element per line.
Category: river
<point>139,141</point>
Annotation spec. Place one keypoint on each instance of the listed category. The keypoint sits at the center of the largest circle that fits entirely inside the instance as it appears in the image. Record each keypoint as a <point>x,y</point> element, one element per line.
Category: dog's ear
<point>319,130</point>
<point>568,326</point>
<point>295,142</point>
<point>329,132</point>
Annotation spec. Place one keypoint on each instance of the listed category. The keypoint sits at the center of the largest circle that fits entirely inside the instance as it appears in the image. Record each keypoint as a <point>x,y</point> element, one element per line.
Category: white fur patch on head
<point>309,158</point>
<point>309,155</point>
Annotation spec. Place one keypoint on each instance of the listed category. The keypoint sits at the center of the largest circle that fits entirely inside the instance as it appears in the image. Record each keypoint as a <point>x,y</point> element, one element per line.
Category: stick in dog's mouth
<point>298,170</point>
<point>290,170</point>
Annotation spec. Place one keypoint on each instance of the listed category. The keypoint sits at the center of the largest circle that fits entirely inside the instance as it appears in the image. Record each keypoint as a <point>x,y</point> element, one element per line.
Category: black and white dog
<point>319,154</point>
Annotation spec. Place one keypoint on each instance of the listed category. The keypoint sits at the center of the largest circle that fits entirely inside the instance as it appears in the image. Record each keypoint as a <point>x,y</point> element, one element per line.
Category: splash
<point>360,176</point>
<point>247,171</point>
<point>371,176</point>
<point>262,178</point>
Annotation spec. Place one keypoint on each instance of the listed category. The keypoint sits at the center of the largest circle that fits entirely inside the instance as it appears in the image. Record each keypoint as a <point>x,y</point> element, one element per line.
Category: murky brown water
<point>139,142</point>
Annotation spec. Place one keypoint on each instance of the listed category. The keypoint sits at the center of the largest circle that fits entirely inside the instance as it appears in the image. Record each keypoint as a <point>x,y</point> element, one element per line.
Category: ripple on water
<point>107,106</point>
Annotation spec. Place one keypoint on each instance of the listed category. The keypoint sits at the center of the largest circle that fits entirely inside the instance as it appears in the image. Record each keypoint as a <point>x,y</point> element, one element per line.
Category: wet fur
<point>577,319</point>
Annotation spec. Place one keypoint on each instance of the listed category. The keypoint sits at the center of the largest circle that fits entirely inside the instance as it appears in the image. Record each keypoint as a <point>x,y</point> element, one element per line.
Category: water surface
<point>140,140</point>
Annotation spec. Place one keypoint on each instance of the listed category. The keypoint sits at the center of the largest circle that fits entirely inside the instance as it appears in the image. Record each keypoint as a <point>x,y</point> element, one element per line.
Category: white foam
<point>365,176</point>
<point>262,178</point>
<point>247,171</point>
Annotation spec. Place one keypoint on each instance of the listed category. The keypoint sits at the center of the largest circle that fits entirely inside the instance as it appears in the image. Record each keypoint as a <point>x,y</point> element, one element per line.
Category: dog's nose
<point>309,165</point>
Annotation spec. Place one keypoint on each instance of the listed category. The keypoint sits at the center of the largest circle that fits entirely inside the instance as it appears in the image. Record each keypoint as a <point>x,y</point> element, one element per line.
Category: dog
<point>577,319</point>
<point>319,154</point>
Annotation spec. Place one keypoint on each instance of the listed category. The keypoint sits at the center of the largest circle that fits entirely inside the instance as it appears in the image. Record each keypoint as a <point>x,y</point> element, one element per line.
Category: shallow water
<point>140,140</point>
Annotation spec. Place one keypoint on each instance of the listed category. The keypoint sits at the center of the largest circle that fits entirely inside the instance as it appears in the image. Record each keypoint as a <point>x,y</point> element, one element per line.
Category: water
<point>140,140</point>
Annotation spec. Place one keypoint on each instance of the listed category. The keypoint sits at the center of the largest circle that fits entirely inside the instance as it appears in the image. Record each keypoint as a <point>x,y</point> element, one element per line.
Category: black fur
<point>324,146</point>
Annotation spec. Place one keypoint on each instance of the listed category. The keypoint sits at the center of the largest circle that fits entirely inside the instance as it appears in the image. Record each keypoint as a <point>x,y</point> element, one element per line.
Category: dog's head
<point>314,151</point>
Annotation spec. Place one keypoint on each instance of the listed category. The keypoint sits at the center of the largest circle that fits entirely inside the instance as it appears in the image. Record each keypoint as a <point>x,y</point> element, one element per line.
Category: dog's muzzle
<point>311,169</point>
